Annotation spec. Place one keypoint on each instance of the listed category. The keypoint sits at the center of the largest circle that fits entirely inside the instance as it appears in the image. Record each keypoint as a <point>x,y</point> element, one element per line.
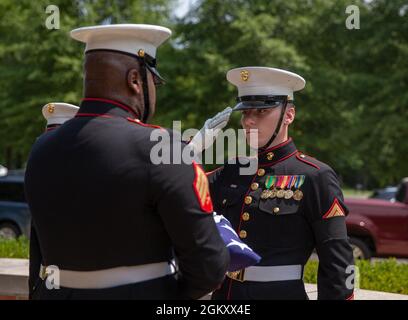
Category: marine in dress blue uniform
<point>290,206</point>
<point>111,220</point>
<point>55,114</point>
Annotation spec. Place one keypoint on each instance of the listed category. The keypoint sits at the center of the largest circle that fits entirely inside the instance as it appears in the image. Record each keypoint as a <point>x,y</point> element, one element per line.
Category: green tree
<point>341,115</point>
<point>39,65</point>
<point>352,114</point>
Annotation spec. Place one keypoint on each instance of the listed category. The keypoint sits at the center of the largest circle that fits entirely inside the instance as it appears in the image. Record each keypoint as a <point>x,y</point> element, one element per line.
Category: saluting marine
<point>292,204</point>
<point>109,219</point>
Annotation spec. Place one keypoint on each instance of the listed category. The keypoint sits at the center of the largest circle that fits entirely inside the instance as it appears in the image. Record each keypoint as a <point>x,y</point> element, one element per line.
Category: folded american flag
<point>241,255</point>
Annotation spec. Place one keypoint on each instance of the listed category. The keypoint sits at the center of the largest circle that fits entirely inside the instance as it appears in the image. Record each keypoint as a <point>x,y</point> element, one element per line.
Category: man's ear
<point>133,80</point>
<point>290,115</point>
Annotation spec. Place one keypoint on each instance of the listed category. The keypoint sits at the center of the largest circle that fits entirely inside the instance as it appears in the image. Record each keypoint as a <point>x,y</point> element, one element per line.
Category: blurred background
<point>353,113</point>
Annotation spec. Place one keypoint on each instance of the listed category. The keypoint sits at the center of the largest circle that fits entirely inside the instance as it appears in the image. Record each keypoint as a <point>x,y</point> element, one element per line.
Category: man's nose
<point>249,121</point>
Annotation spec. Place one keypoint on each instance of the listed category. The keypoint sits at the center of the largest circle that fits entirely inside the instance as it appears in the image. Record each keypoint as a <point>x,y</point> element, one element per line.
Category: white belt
<point>107,278</point>
<point>268,273</point>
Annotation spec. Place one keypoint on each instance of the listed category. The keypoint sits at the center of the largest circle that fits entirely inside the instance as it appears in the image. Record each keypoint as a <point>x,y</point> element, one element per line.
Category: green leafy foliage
<point>352,114</point>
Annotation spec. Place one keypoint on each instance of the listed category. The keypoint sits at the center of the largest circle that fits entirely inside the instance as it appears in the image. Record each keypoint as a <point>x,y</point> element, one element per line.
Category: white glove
<point>209,132</point>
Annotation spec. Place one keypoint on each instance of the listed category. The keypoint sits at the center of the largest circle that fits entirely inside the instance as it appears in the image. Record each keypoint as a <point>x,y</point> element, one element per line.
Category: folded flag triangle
<point>241,255</point>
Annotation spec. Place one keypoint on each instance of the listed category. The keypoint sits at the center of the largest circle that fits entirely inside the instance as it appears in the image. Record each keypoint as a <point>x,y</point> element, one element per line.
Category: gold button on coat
<point>248,200</point>
<point>245,216</point>
<point>254,186</point>
<point>242,234</point>
<point>261,172</point>
<point>276,210</point>
<point>269,155</point>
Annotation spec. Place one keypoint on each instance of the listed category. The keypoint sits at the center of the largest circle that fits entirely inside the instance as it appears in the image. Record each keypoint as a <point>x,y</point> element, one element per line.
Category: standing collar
<point>277,153</point>
<point>52,127</point>
<point>105,107</point>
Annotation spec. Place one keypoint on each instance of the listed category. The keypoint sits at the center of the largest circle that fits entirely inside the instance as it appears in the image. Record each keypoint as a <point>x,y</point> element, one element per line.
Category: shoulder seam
<point>305,161</point>
<point>212,171</point>
<point>137,121</point>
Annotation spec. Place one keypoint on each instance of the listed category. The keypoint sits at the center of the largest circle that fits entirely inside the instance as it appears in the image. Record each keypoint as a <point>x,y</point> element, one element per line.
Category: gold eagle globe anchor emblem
<point>244,75</point>
<point>50,108</point>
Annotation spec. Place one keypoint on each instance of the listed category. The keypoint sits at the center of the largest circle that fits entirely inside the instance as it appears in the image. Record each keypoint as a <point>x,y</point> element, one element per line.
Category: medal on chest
<point>282,187</point>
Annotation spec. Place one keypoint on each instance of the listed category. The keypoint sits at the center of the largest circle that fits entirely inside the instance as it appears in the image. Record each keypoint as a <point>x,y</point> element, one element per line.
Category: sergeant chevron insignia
<point>201,189</point>
<point>335,211</point>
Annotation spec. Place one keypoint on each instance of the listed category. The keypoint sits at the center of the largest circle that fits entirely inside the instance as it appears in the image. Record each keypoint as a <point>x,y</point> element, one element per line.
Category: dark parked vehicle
<point>14,213</point>
<point>387,193</point>
<point>379,227</point>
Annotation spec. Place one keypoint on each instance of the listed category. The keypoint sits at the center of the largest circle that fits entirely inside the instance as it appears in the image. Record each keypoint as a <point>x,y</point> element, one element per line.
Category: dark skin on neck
<point>116,76</point>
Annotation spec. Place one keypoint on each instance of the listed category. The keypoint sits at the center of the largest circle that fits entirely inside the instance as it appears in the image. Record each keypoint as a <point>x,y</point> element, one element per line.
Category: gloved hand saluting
<point>209,132</point>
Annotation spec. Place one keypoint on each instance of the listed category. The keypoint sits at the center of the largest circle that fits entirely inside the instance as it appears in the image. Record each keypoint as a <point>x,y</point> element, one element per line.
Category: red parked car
<point>379,227</point>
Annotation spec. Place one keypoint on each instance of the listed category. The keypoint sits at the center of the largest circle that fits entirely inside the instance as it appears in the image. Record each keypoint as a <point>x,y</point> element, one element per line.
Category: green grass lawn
<point>14,248</point>
<point>387,275</point>
<point>353,193</point>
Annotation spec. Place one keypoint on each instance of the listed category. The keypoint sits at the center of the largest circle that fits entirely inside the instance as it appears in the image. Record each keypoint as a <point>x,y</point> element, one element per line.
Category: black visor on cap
<point>157,78</point>
<point>259,102</point>
<point>151,64</point>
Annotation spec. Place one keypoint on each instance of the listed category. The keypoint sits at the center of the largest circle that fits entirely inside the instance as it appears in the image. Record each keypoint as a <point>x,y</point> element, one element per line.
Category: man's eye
<point>262,110</point>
